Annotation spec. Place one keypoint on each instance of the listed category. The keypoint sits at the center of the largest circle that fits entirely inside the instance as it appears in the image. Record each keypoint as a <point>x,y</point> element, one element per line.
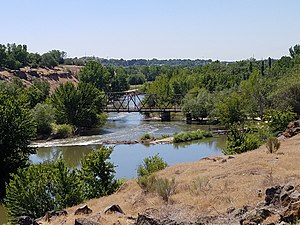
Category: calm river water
<point>128,126</point>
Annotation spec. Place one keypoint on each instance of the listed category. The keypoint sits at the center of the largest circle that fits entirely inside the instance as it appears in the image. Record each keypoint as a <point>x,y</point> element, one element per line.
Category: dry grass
<point>209,186</point>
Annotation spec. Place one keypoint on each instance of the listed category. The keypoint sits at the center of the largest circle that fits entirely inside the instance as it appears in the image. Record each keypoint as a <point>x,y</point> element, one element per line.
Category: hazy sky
<point>216,29</point>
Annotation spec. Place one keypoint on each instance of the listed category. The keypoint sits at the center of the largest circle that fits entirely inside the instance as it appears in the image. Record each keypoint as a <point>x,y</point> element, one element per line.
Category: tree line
<point>237,94</point>
<point>13,56</point>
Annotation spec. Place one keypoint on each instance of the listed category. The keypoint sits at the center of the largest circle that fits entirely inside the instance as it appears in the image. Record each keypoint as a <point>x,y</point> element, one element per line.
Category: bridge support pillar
<point>165,116</point>
<point>188,118</point>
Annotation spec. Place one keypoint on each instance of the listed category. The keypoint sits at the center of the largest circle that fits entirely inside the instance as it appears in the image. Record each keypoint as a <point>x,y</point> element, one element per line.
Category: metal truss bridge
<point>135,101</point>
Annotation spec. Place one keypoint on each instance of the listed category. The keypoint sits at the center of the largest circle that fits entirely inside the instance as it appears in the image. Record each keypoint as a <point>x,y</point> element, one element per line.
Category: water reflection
<point>128,157</point>
<point>71,154</point>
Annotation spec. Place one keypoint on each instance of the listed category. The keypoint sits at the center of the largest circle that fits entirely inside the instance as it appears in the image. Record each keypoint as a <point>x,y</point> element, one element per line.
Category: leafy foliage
<point>34,190</point>
<point>190,136</point>
<point>200,106</point>
<point>105,79</point>
<point>279,119</point>
<point>240,140</point>
<point>230,110</point>
<point>16,131</point>
<point>151,164</point>
<point>63,130</point>
<point>98,174</point>
<point>78,106</point>
<point>38,92</point>
<point>147,137</point>
<point>43,116</point>
<point>40,188</point>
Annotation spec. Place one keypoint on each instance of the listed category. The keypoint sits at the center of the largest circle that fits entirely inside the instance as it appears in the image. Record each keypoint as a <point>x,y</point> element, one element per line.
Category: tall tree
<point>16,131</point>
<point>79,105</point>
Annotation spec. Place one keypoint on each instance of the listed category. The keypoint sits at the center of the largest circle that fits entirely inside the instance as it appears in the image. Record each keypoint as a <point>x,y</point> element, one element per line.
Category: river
<point>128,126</point>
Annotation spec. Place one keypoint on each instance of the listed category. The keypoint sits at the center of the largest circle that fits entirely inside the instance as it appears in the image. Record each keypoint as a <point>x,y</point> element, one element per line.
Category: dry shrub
<point>273,144</point>
<point>200,185</point>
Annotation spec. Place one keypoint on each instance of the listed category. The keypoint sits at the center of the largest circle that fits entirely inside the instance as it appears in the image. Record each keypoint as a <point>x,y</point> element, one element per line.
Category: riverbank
<point>210,190</point>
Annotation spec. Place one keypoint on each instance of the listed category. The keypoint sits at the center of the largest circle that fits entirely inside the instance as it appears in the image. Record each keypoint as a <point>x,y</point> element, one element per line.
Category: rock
<point>146,220</point>
<point>83,221</point>
<point>26,220</point>
<point>255,216</point>
<point>293,129</point>
<point>83,210</point>
<point>54,213</point>
<point>273,195</point>
<point>291,213</point>
<point>113,209</point>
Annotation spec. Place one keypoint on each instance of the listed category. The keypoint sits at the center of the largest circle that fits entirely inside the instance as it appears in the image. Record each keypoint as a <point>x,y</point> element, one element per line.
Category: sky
<point>163,29</point>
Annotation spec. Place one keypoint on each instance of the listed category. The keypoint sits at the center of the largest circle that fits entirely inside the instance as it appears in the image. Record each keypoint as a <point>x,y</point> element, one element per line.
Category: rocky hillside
<point>55,76</point>
<point>251,188</point>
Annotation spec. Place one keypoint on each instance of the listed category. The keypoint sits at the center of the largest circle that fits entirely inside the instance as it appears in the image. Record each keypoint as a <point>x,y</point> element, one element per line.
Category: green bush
<point>240,140</point>
<point>40,188</point>
<point>279,119</point>
<point>97,173</point>
<point>145,171</point>
<point>190,136</point>
<point>147,137</point>
<point>151,165</point>
<point>63,130</point>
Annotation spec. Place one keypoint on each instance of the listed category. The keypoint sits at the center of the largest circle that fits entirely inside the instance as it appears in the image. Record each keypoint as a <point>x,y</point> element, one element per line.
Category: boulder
<point>83,210</point>
<point>83,221</point>
<point>54,213</point>
<point>255,216</point>
<point>113,209</point>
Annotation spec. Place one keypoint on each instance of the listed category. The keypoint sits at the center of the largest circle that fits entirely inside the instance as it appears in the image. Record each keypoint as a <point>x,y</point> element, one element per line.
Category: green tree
<point>231,109</point>
<point>37,92</point>
<point>43,115</point>
<point>16,131</point>
<point>79,106</point>
<point>200,106</point>
<point>97,173</point>
<point>256,91</point>
<point>95,74</point>
<point>294,51</point>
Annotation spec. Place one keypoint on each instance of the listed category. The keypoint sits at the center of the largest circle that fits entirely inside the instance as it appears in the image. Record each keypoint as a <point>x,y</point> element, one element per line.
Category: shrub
<point>163,136</point>
<point>145,171</point>
<point>190,136</point>
<point>273,144</point>
<point>98,174</point>
<point>165,188</point>
<point>40,188</point>
<point>63,130</point>
<point>147,137</point>
<point>200,185</point>
<point>150,165</point>
<point>147,182</point>
<point>240,140</point>
<point>278,120</point>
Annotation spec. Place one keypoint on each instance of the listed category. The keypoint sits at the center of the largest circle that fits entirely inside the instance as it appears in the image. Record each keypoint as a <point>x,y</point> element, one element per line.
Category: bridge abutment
<point>165,116</point>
